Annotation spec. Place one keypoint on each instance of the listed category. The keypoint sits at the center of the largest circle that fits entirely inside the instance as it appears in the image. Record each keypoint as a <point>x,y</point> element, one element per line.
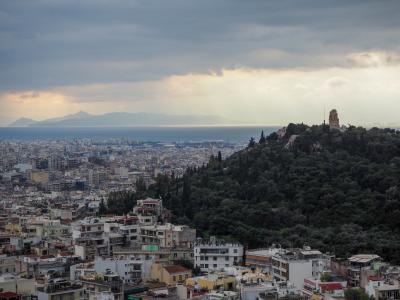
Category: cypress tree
<point>262,138</point>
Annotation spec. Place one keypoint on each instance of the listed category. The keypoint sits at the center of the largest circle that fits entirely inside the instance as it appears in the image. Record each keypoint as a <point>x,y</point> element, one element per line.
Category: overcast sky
<point>265,62</point>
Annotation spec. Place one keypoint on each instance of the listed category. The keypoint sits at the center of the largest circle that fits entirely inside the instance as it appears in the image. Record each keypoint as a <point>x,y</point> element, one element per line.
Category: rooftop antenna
<point>324,113</point>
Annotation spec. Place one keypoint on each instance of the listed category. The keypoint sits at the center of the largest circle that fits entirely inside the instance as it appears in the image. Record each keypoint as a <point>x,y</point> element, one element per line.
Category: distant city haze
<point>264,62</point>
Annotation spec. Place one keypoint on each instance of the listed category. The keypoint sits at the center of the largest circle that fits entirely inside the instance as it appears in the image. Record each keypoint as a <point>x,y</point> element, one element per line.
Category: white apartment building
<point>380,288</point>
<point>87,228</point>
<point>297,264</point>
<point>7,264</point>
<point>130,269</point>
<point>215,255</point>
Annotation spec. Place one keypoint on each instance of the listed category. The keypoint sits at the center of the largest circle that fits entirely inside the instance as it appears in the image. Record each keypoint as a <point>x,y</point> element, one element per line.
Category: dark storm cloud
<point>52,43</point>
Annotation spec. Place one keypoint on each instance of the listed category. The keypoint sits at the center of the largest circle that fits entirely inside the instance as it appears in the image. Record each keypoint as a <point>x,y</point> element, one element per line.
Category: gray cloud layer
<point>55,43</point>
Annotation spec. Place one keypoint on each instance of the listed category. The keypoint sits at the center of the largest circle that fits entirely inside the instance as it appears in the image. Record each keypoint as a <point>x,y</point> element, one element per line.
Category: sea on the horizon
<point>230,134</point>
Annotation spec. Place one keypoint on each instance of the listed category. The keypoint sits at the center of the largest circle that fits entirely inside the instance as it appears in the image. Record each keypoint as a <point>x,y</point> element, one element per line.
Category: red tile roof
<point>330,286</point>
<point>375,278</point>
<point>176,269</point>
<point>7,295</point>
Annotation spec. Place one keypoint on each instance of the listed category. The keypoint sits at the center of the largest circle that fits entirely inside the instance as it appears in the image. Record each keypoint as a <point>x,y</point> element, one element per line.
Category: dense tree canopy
<point>337,191</point>
<point>356,294</point>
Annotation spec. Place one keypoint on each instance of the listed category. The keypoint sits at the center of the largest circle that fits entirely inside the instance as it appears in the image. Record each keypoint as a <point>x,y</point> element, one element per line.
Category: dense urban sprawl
<point>55,243</point>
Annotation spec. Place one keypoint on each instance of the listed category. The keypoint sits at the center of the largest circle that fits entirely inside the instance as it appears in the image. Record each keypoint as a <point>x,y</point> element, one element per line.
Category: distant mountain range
<point>82,119</point>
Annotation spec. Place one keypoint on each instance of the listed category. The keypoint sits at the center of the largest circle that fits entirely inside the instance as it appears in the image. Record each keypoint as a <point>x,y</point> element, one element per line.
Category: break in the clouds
<point>249,61</point>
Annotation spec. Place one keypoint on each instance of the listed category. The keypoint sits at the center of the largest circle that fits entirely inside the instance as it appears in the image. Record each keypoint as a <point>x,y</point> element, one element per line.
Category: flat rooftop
<point>363,258</point>
<point>263,252</point>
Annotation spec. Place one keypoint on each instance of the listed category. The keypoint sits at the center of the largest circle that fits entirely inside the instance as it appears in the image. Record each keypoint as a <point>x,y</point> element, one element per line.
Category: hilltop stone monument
<point>334,119</point>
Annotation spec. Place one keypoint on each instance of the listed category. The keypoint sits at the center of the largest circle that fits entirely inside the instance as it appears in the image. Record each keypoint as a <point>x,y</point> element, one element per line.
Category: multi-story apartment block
<point>102,286</point>
<point>88,228</point>
<point>147,252</point>
<point>380,288</point>
<point>213,254</point>
<point>297,264</point>
<point>7,264</point>
<point>179,254</point>
<point>147,219</point>
<point>261,258</point>
<point>168,235</point>
<point>37,266</point>
<point>183,236</point>
<point>149,206</point>
<point>130,269</point>
<point>60,289</point>
<point>89,240</point>
<point>356,264</point>
<point>131,233</point>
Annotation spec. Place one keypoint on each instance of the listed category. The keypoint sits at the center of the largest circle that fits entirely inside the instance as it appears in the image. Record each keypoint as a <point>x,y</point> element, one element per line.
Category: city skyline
<point>261,62</point>
<point>199,150</point>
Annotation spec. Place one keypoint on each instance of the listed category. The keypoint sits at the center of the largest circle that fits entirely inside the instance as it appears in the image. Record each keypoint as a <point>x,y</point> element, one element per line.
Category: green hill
<point>338,191</point>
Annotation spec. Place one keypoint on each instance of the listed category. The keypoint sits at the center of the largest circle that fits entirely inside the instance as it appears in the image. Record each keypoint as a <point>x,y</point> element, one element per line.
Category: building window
<point>206,266</point>
<point>226,257</point>
<point>174,278</point>
<point>235,250</point>
<point>215,265</point>
<point>215,258</point>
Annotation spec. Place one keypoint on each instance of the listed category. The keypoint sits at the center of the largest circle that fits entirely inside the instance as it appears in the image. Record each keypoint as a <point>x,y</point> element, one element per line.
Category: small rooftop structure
<point>310,252</point>
<point>363,258</point>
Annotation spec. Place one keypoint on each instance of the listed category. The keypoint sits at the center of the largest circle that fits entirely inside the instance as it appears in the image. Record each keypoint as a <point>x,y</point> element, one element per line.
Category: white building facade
<point>215,255</point>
